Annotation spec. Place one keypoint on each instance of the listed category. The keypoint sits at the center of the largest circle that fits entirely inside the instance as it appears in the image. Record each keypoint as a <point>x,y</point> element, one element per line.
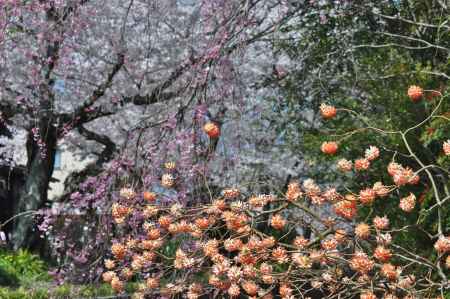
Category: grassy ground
<point>25,276</point>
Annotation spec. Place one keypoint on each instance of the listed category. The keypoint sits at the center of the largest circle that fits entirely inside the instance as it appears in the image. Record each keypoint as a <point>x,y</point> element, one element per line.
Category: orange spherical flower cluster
<point>393,168</point>
<point>346,208</point>
<point>285,291</point>
<point>234,290</point>
<point>447,262</point>
<point>367,196</point>
<point>237,222</point>
<point>293,192</point>
<point>367,295</point>
<point>212,129</point>
<point>380,189</point>
<point>402,175</point>
<point>277,221</point>
<point>446,147</point>
<point>384,239</point>
<point>118,250</point>
<point>300,242</point>
<point>361,263</point>
<point>372,153</point>
<point>327,111</point>
<point>108,276</point>
<point>117,285</point>
<point>329,147</point>
<point>260,201</point>
<point>382,254</point>
<point>202,223</point>
<point>109,264</point>
<point>231,245</point>
<point>311,188</point>
<point>390,271</point>
<point>381,222</point>
<point>250,287</point>
<point>344,165</point>
<point>442,245</point>
<point>231,193</point>
<point>120,212</point>
<point>362,164</point>
<point>149,196</point>
<point>408,203</point>
<point>153,233</point>
<point>301,260</point>
<point>329,244</point>
<point>165,221</point>
<point>195,291</point>
<point>331,195</point>
<point>415,93</point>
<point>280,255</point>
<point>243,260</point>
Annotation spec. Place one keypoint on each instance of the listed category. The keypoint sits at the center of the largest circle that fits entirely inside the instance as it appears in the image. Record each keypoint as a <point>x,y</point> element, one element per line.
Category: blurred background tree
<point>361,56</point>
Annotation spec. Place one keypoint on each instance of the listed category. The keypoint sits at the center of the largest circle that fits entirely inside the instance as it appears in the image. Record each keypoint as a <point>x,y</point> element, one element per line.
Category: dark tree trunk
<point>34,193</point>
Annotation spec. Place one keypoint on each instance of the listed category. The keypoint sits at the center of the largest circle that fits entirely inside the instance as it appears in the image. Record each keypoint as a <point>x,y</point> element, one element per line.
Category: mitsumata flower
<point>212,130</point>
<point>244,244</point>
<point>329,148</point>
<point>415,93</point>
<point>327,111</point>
<point>446,147</point>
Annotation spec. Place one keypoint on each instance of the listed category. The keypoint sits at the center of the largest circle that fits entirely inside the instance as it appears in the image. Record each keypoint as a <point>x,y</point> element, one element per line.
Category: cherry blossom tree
<point>73,67</point>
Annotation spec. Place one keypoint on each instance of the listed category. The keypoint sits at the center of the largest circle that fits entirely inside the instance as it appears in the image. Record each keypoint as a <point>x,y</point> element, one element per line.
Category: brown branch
<point>110,146</point>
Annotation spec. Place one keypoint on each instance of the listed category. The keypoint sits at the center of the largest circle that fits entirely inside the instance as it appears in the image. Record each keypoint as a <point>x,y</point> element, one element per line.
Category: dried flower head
<point>362,231</point>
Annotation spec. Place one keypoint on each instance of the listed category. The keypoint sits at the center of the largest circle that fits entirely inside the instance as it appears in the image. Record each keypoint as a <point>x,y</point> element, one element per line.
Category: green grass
<point>24,275</point>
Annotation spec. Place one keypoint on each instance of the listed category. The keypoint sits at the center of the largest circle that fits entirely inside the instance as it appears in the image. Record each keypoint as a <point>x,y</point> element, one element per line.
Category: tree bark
<point>34,194</point>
